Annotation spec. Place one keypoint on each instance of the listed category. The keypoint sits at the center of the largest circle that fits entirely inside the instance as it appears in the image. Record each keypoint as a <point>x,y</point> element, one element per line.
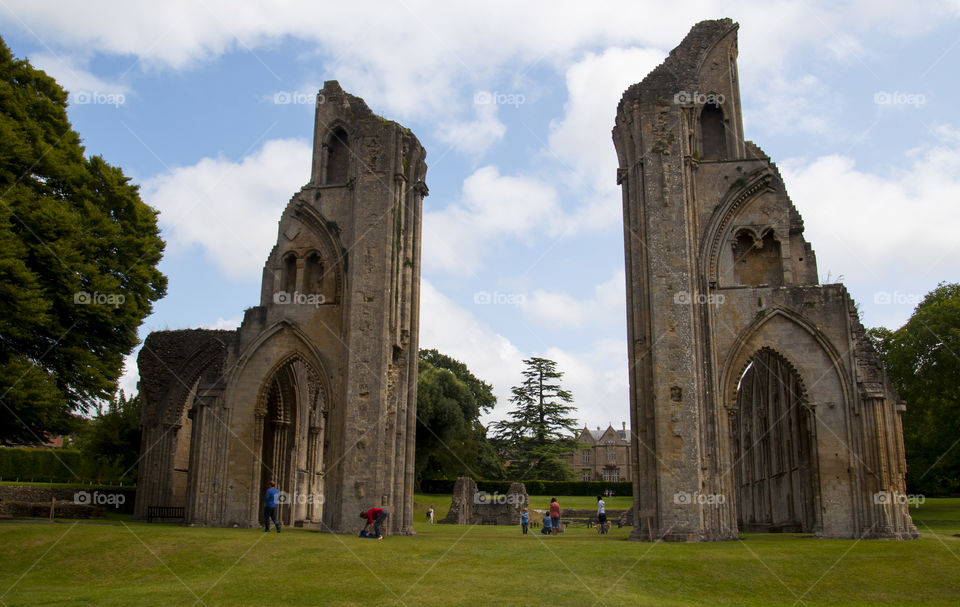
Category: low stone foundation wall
<point>11,509</point>
<point>17,500</point>
<point>472,507</point>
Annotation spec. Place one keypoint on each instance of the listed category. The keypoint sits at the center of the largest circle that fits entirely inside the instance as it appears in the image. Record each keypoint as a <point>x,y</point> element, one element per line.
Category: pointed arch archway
<point>773,435</point>
<point>771,398</point>
<point>289,427</point>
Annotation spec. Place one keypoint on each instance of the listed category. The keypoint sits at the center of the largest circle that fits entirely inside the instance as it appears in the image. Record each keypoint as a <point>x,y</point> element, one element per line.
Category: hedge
<point>445,485</point>
<point>32,464</point>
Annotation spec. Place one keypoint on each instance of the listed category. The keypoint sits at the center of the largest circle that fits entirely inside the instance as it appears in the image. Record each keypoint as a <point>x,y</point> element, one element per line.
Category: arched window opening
<point>774,444</point>
<point>313,275</point>
<point>338,157</point>
<point>289,279</point>
<point>713,133</point>
<point>757,262</point>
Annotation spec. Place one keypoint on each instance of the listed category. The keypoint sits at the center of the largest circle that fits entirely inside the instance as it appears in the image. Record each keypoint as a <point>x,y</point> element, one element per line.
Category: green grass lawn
<point>120,563</point>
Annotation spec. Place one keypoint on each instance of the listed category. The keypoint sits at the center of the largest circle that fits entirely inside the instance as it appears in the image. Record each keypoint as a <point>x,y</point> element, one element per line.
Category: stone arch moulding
<point>289,358</point>
<point>740,355</point>
<point>721,219</point>
<point>329,246</point>
<point>313,357</point>
<point>804,392</point>
<point>186,375</point>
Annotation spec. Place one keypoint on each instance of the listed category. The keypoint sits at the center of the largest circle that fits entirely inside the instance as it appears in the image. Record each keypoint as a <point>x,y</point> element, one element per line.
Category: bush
<point>445,485</point>
<point>53,465</point>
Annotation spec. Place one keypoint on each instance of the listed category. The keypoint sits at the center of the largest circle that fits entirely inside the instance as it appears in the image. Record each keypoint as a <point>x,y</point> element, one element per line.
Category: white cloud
<point>492,207</point>
<point>794,104</point>
<point>230,209</point>
<point>224,324</point>
<point>598,380</point>
<point>474,137</point>
<point>416,55</point>
<point>72,74</point>
<point>130,376</point>
<point>581,140</point>
<point>457,333</point>
<point>597,377</point>
<point>885,233</point>
<point>561,310</point>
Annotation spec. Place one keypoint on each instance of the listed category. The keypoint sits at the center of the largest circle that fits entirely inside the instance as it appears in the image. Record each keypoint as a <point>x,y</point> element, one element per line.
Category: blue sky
<point>208,105</point>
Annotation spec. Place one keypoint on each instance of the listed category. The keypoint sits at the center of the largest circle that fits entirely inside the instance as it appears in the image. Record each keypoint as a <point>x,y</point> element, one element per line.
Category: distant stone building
<point>757,402</point>
<point>317,389</point>
<point>603,455</point>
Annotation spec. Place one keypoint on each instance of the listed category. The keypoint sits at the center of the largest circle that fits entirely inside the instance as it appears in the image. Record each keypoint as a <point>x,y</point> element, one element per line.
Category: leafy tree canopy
<point>923,362</point>
<point>451,441</point>
<point>78,262</point>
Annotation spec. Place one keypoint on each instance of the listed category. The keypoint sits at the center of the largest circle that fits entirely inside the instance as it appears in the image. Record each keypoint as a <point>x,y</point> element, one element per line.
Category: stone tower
<point>317,388</point>
<point>756,401</point>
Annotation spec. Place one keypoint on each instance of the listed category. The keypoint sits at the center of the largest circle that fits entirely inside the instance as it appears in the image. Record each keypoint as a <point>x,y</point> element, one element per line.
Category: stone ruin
<point>472,507</point>
<point>757,402</point>
<point>317,389</point>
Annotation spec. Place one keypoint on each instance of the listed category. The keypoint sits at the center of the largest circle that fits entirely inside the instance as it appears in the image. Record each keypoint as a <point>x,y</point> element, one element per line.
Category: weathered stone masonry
<point>756,401</point>
<point>317,388</point>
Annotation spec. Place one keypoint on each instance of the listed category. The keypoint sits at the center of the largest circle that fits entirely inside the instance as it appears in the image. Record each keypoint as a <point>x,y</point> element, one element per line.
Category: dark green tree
<point>481,390</point>
<point>112,438</point>
<point>923,362</point>
<point>451,441</point>
<point>539,434</point>
<point>78,262</point>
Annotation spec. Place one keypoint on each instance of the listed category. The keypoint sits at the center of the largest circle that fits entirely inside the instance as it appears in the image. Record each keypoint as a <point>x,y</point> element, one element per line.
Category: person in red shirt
<point>555,515</point>
<point>375,517</point>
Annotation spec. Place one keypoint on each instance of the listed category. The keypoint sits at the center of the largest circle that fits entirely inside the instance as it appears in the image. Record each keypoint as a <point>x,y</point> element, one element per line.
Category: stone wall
<point>472,507</point>
<point>17,500</point>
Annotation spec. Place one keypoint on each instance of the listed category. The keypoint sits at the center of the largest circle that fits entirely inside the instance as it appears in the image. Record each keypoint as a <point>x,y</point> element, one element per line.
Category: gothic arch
<point>325,242</point>
<point>713,133</point>
<point>289,424</point>
<point>738,357</point>
<point>208,357</point>
<point>336,159</point>
<point>773,441</point>
<point>736,199</point>
<point>305,396</point>
<point>311,352</point>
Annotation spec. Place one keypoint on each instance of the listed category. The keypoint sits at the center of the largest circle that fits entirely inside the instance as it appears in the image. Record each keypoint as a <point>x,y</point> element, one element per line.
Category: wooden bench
<point>165,512</point>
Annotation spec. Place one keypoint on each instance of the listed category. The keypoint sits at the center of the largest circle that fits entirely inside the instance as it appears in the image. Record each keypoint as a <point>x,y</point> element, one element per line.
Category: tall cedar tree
<point>78,262</point>
<point>538,437</point>
<point>923,362</point>
<point>451,441</point>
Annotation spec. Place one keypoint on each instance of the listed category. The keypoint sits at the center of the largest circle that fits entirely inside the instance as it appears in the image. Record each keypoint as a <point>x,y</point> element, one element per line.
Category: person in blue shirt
<point>270,507</point>
<point>524,521</point>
